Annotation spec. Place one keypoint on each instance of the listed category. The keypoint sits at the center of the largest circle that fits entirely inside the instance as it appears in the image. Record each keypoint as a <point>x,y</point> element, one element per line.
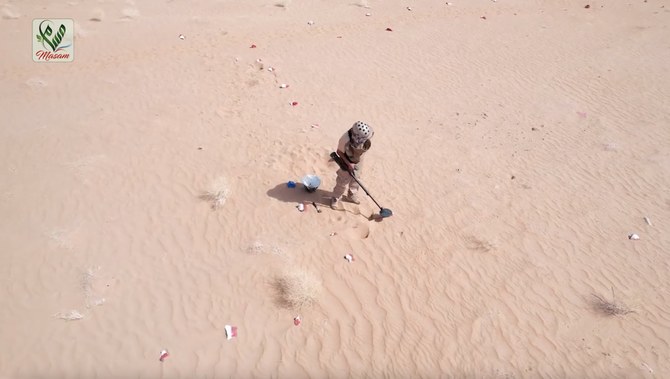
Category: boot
<point>334,203</point>
<point>353,198</point>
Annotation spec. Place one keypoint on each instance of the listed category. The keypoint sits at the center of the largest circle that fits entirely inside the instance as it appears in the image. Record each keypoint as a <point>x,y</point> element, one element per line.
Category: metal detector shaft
<point>344,167</point>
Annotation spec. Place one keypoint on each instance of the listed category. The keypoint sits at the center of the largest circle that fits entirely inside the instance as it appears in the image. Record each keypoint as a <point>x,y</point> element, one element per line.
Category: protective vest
<point>354,154</point>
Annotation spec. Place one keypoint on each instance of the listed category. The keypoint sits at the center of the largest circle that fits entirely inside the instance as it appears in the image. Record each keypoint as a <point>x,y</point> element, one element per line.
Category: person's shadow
<point>299,194</point>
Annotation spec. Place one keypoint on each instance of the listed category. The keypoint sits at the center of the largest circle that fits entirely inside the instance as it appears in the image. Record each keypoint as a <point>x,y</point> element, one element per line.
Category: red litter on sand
<point>389,29</point>
<point>294,103</point>
<point>231,331</point>
<point>296,320</point>
<point>252,46</point>
<point>164,354</point>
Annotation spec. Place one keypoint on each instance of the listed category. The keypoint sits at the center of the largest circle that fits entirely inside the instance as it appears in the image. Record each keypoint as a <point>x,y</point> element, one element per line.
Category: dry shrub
<point>217,194</point>
<point>69,315</point>
<point>610,308</point>
<point>258,247</point>
<point>297,289</point>
<point>87,281</point>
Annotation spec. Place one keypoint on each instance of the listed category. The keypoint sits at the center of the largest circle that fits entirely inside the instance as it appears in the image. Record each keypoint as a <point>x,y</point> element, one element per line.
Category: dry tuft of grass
<point>297,289</point>
<point>217,194</point>
<point>610,308</point>
<point>69,315</point>
<point>258,247</point>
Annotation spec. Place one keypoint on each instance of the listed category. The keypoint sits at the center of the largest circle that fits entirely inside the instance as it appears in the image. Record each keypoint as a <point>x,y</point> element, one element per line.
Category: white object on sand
<point>310,22</point>
<point>633,236</point>
<point>368,14</point>
<point>647,220</point>
<point>301,207</point>
<point>231,331</point>
<point>181,36</point>
<point>311,182</point>
<point>349,258</point>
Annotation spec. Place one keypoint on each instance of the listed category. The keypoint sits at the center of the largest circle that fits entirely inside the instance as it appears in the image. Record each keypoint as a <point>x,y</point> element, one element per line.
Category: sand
<point>144,201</point>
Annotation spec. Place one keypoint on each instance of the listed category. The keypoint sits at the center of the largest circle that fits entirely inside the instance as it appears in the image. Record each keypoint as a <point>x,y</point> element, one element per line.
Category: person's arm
<point>346,160</point>
<point>343,156</point>
<point>341,145</point>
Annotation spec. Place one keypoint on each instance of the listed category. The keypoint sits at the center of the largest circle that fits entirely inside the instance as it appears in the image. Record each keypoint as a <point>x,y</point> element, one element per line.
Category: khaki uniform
<point>355,155</point>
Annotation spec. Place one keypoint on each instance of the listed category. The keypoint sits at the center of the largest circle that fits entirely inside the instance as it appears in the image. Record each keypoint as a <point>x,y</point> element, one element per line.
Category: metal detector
<point>383,212</point>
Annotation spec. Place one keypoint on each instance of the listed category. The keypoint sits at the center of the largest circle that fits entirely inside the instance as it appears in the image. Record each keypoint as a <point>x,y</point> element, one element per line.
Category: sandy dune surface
<point>144,201</point>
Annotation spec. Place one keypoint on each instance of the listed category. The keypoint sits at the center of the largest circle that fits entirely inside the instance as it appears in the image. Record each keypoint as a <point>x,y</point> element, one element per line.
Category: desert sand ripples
<point>517,152</point>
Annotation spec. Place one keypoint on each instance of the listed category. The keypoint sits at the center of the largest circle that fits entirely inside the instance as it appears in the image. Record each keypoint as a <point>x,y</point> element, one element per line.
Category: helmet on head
<point>361,130</point>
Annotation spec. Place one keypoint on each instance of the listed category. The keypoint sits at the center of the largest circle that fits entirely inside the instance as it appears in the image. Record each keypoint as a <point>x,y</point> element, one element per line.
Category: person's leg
<point>341,183</point>
<point>354,187</point>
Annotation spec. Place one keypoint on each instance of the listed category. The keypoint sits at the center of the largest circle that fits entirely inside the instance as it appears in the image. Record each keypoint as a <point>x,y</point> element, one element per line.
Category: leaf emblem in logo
<point>45,36</point>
